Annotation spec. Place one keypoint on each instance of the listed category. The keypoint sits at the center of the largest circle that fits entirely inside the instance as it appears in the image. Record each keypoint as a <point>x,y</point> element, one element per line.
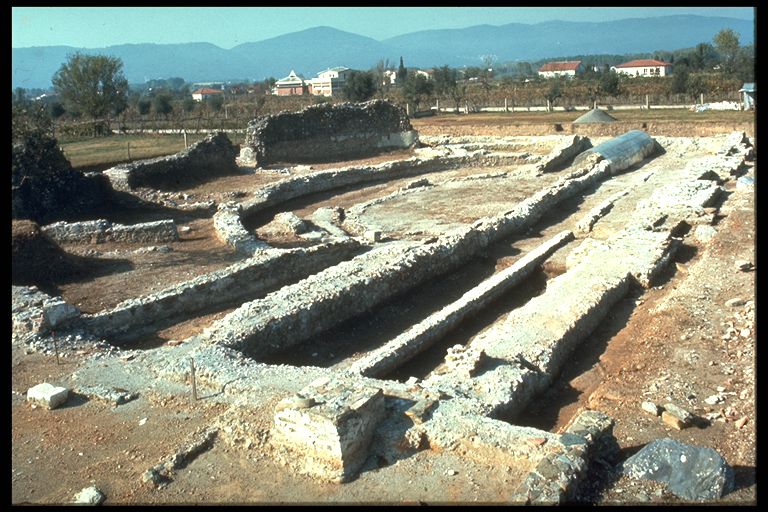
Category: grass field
<point>103,152</point>
<point>86,153</point>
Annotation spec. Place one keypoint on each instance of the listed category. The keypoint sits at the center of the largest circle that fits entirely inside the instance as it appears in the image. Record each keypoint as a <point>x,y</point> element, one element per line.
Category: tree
<point>188,104</point>
<point>93,85</point>
<point>446,84</point>
<point>553,92</point>
<point>744,67</point>
<point>486,74</point>
<point>143,106</point>
<point>727,43</point>
<point>162,104</point>
<point>609,83</point>
<point>216,103</point>
<point>417,89</point>
<point>360,86</point>
<point>402,73</point>
<point>382,81</point>
<point>703,57</point>
<point>695,86</point>
<point>524,69</point>
<point>679,83</point>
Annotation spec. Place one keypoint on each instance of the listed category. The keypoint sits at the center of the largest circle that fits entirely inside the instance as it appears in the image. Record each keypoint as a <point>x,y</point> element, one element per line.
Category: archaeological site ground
<point>357,307</point>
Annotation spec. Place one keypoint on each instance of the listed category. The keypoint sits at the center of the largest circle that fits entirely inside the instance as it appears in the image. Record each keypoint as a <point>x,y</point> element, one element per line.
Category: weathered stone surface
<point>563,153</point>
<point>557,476</point>
<point>704,233</point>
<point>35,312</point>
<point>325,429</point>
<point>90,496</point>
<point>212,156</point>
<point>290,223</point>
<point>113,396</point>
<point>432,328</point>
<point>690,472</point>
<point>267,269</point>
<point>47,394</point>
<point>355,286</point>
<point>651,408</point>
<point>320,132</point>
<point>100,231</point>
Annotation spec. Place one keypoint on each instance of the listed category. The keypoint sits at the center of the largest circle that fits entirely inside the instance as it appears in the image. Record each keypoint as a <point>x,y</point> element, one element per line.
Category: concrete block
<point>49,395</point>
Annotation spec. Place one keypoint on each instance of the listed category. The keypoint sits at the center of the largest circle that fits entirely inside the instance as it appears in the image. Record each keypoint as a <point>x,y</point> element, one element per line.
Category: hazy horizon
<point>227,27</point>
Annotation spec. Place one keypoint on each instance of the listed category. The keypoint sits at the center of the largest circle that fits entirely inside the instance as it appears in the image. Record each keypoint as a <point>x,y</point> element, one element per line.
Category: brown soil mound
<point>36,259</point>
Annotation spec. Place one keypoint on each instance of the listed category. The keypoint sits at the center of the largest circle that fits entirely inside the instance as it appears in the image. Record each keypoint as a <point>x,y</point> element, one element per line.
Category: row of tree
<point>94,87</point>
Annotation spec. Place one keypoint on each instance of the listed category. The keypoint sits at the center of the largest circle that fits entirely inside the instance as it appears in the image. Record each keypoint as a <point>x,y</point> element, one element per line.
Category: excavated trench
<point>484,290</point>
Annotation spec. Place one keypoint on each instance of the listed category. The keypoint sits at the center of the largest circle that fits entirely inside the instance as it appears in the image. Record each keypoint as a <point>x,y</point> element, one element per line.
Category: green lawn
<point>106,151</point>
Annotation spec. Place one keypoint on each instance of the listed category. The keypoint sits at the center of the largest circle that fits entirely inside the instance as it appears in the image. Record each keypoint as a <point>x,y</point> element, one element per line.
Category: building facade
<point>205,93</point>
<point>561,68</point>
<point>330,82</point>
<point>291,85</point>
<point>644,67</point>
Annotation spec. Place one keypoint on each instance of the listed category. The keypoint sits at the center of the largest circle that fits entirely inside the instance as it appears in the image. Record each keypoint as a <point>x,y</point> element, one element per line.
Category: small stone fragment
<point>735,302</point>
<point>741,422</point>
<point>650,407</point>
<point>672,421</point>
<point>90,496</point>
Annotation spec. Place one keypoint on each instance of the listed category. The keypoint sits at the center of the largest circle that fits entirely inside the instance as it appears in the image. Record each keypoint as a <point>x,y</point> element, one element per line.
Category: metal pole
<point>194,384</point>
<point>55,347</point>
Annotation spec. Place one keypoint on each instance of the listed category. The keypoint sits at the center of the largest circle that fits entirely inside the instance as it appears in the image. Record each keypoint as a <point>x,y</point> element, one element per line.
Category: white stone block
<point>48,394</point>
<point>90,496</point>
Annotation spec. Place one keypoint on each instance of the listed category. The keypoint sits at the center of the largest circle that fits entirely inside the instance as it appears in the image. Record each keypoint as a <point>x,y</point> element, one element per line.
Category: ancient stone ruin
<point>341,353</point>
<point>328,132</point>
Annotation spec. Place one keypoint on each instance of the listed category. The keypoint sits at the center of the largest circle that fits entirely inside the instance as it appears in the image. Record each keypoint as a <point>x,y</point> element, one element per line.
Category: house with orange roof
<point>569,68</point>
<point>644,67</point>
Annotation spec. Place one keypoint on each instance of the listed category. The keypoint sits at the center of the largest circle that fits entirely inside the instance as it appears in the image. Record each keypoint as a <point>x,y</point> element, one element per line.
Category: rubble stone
<point>49,395</point>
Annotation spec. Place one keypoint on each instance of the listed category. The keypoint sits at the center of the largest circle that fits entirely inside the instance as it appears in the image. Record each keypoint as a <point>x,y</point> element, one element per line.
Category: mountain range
<point>313,50</point>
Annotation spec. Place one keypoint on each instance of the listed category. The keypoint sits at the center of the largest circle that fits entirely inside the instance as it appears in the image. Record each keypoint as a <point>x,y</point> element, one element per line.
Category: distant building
<point>748,95</point>
<point>568,68</point>
<point>330,82</point>
<point>292,85</point>
<point>644,67</point>
<point>205,93</point>
<point>391,76</point>
<point>429,74</point>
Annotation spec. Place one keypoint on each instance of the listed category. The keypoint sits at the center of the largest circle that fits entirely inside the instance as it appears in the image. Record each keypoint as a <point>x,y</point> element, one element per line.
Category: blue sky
<point>97,27</point>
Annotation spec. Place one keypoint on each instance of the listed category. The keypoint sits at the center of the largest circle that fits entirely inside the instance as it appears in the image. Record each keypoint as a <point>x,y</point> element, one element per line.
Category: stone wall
<point>101,230</point>
<point>329,132</point>
<point>265,271</point>
<point>212,156</point>
<point>294,313</point>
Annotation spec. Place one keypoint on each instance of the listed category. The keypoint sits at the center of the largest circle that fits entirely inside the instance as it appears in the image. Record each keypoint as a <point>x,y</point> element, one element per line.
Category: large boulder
<point>690,472</point>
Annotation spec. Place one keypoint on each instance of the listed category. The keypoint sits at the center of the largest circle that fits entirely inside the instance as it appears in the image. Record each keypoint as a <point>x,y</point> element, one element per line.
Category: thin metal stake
<point>55,346</point>
<point>194,384</point>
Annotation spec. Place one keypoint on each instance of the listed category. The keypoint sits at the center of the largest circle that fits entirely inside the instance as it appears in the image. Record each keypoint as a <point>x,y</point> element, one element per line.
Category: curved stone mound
<point>595,116</point>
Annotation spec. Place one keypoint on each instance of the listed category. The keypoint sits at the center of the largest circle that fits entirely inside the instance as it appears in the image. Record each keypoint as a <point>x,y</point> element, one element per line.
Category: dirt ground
<point>677,342</point>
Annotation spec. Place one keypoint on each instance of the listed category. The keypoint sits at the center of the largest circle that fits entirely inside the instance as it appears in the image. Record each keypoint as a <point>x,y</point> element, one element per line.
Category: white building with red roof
<point>205,92</point>
<point>568,68</point>
<point>644,67</point>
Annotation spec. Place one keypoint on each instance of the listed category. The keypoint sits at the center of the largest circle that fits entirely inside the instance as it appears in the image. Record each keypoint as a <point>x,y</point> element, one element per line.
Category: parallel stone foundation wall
<point>101,231</point>
<point>212,156</point>
<point>266,270</point>
<point>294,313</point>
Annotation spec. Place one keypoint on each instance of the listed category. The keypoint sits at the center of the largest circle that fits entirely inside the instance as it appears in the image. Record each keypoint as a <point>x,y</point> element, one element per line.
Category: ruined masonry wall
<point>295,313</point>
<point>214,155</point>
<point>247,278</point>
<point>327,131</point>
<point>101,230</point>
<point>432,328</point>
